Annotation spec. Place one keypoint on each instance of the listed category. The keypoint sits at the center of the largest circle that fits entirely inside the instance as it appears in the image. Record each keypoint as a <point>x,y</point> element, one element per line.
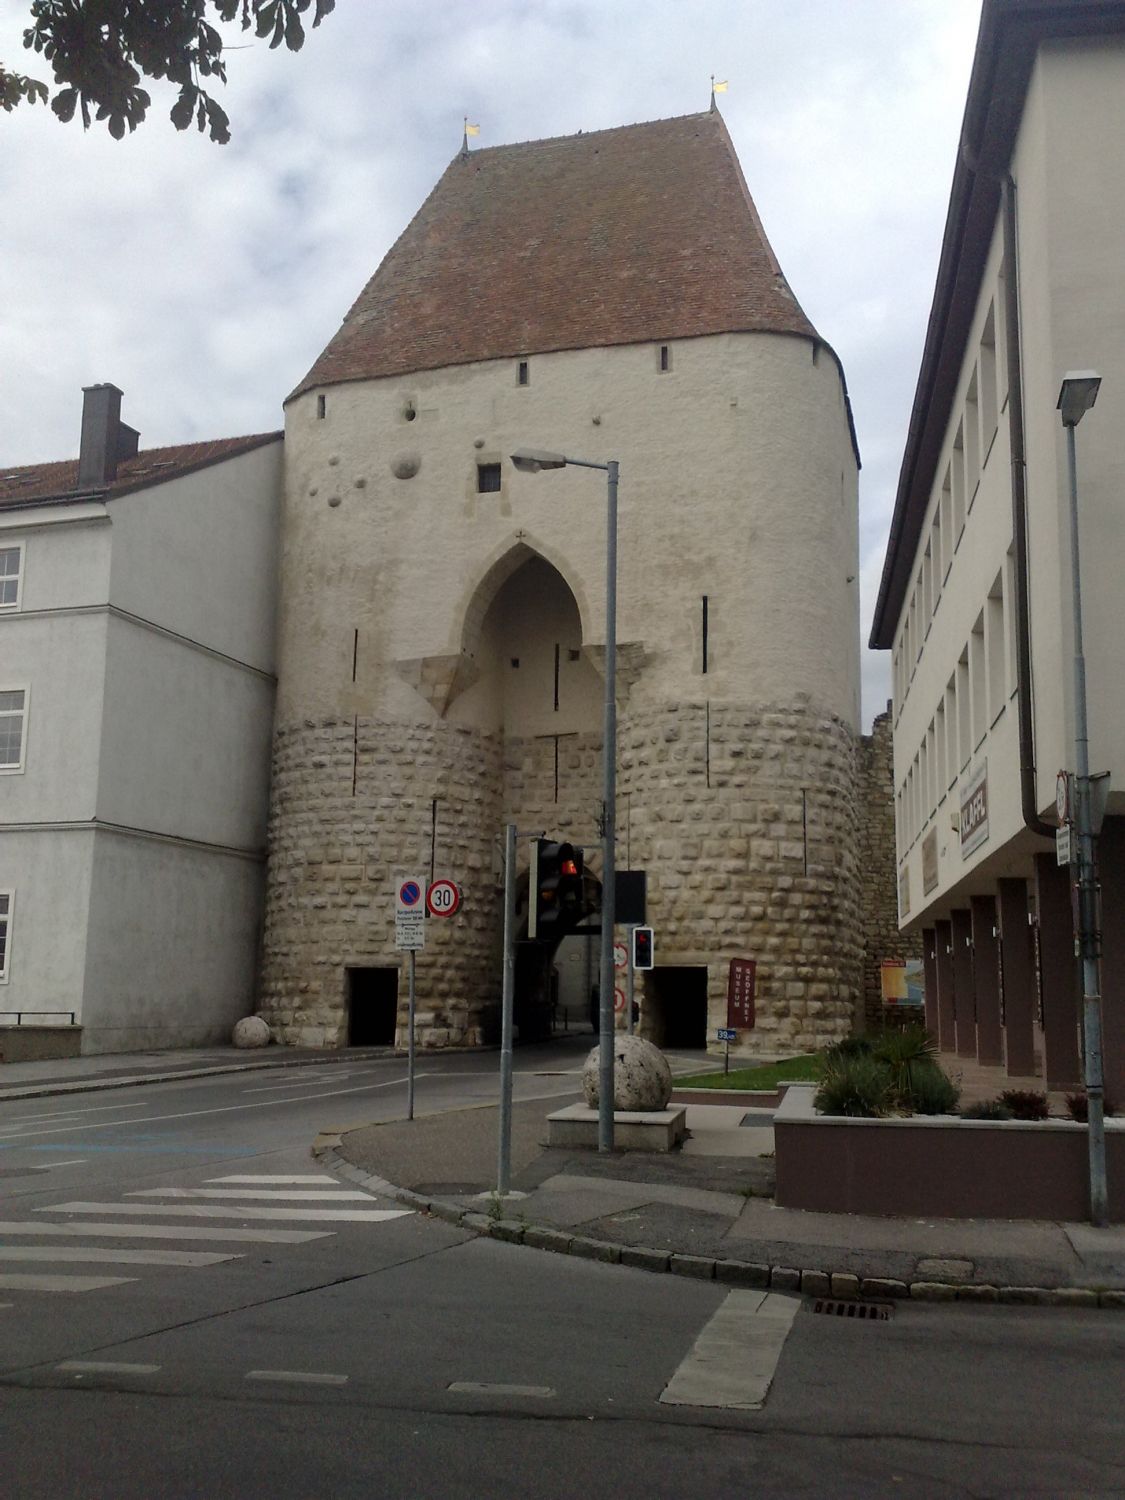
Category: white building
<point>137,604</point>
<point>975,601</point>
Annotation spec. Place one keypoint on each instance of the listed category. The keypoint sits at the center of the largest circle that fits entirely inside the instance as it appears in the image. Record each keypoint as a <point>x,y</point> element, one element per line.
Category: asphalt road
<point>371,1352</point>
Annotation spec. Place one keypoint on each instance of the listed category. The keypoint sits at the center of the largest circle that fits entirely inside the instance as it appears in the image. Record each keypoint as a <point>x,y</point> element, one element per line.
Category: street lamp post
<point>532,461</point>
<point>1078,393</point>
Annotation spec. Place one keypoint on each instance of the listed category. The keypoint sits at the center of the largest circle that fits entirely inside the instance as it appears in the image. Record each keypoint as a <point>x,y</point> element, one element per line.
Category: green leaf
<point>183,109</point>
<point>294,33</point>
<point>64,104</point>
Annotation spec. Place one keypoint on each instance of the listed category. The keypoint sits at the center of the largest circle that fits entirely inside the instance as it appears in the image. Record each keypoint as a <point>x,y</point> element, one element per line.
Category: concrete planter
<point>939,1166</point>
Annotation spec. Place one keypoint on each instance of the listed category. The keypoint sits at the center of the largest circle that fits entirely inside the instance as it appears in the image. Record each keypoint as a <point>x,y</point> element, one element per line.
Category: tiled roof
<point>617,237</point>
<point>59,481</point>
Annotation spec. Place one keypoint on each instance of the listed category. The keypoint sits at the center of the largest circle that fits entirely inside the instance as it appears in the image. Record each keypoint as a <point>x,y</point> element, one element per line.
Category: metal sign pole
<point>504,1164</point>
<point>410,1042</point>
<point>629,976</point>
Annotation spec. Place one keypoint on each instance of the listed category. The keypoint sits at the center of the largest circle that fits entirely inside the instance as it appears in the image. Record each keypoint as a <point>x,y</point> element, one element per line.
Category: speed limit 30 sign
<point>443,898</point>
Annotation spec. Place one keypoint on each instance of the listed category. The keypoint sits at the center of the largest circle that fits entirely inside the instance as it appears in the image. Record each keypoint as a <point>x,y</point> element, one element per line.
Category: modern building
<point>976,595</point>
<point>605,295</point>
<point>137,621</point>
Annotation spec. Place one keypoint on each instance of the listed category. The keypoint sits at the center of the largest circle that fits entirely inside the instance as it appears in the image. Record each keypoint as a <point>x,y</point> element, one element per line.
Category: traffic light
<point>555,906</point>
<point>642,948</point>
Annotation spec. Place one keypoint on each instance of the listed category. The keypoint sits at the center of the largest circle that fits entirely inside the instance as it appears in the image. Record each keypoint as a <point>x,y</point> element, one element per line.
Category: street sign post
<point>727,1035</point>
<point>410,934</point>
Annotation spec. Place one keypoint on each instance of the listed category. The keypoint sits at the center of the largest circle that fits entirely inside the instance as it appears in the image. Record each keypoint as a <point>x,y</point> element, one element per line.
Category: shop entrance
<point>372,1007</point>
<point>675,1007</point>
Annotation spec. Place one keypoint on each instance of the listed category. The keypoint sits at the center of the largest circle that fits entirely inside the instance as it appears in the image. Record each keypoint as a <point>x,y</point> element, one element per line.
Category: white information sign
<point>410,912</point>
<point>1062,845</point>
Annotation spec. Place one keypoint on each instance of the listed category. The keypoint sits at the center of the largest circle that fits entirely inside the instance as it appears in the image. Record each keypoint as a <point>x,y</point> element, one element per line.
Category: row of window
<point>523,377</point>
<point>974,698</point>
<point>972,443</point>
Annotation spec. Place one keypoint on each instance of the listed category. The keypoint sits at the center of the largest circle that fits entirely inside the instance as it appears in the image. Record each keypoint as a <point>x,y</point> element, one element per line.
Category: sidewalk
<point>115,1070</point>
<point>707,1212</point>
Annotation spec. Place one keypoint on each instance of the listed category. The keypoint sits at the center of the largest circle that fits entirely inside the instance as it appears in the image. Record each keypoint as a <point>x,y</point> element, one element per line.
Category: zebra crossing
<point>36,1254</point>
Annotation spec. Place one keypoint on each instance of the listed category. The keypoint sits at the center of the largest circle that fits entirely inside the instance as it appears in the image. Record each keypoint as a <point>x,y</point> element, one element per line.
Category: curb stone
<point>843,1284</point>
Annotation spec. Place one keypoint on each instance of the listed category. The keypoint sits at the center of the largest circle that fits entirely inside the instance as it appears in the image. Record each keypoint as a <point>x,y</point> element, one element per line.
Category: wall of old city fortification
<point>411,671</point>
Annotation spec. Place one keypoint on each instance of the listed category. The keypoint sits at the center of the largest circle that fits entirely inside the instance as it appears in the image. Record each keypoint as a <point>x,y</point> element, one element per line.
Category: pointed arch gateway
<point>523,627</point>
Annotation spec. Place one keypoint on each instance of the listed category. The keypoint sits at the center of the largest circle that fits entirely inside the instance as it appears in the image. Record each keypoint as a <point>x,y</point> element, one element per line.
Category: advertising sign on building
<point>929,862</point>
<point>974,811</point>
<point>902,981</point>
<point>740,993</point>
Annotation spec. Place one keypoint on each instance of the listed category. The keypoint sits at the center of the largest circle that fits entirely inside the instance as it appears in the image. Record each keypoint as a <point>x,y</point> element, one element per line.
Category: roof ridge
<point>585,135</point>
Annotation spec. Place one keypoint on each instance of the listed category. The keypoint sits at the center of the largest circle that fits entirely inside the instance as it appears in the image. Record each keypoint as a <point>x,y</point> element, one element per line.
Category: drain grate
<point>877,1312</point>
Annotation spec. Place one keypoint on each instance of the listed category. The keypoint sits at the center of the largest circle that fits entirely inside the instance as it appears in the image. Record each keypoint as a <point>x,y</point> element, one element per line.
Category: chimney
<point>106,440</point>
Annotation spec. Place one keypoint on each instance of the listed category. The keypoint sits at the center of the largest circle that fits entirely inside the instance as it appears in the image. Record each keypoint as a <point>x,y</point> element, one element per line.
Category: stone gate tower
<point>610,295</point>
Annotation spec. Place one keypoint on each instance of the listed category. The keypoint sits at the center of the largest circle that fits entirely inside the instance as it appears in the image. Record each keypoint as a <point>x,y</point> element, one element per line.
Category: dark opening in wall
<point>664,363</point>
<point>522,373</point>
<point>706,610</point>
<point>488,479</point>
<point>321,407</point>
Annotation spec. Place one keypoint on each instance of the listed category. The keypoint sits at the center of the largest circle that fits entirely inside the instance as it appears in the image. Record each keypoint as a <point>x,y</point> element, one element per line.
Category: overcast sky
<point>203,280</point>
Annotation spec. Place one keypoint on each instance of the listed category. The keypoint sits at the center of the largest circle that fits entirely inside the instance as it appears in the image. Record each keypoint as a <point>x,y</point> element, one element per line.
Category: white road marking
<point>222,1109</point>
<point>225,1211</point>
<point>484,1388</point>
<point>297,1083</point>
<point>104,1367</point>
<point>732,1362</point>
<point>92,1256</point>
<point>292,1195</point>
<point>300,1377</point>
<point>75,1161</point>
<point>168,1232</point>
<point>18,1282</point>
<point>68,1114</point>
<point>311,1180</point>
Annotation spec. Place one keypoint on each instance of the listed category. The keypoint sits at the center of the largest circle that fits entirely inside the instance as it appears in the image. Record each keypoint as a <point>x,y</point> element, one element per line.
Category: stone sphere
<point>642,1079</point>
<point>406,465</point>
<point>251,1031</point>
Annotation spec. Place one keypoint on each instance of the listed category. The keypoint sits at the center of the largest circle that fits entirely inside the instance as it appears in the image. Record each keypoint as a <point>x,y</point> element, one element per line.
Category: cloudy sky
<point>203,280</point>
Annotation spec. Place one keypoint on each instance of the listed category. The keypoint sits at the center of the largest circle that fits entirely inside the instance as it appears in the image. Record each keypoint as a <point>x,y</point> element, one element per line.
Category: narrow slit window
<point>6,900</point>
<point>488,479</point>
<point>321,407</point>
<point>664,359</point>
<point>706,611</point>
<point>523,376</point>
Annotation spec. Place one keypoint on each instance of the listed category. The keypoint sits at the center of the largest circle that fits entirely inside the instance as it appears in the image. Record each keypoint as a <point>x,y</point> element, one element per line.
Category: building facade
<point>441,637</point>
<point>137,603</point>
<point>975,601</point>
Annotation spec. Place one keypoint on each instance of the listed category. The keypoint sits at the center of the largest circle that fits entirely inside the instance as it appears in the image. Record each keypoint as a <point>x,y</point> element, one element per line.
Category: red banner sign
<point>740,993</point>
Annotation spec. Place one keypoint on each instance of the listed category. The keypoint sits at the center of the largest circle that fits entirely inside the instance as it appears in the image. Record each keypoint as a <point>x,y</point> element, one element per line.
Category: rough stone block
<point>980,1292</point>
<point>479,1223</point>
<point>511,1231</point>
<point>1074,1296</point>
<point>785,1279</point>
<point>816,1283</point>
<point>932,1291</point>
<point>698,1267</point>
<point>540,1238</point>
<point>1111,1299</point>
<point>882,1286</point>
<point>742,1273</point>
<point>643,1259</point>
<point>589,1249</point>
<point>844,1284</point>
<point>1028,1296</point>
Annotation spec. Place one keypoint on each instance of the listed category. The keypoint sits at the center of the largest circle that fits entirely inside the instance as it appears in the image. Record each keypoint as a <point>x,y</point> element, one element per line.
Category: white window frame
<point>25,689</point>
<point>11,608</point>
<point>6,924</point>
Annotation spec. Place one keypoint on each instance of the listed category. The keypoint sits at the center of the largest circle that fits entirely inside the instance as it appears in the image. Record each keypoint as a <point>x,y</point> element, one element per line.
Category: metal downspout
<point>1028,797</point>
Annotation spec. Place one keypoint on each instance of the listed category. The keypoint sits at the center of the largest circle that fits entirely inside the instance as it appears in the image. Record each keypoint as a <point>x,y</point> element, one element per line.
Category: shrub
<point>1078,1107</point>
<point>929,1091</point>
<point>1025,1104</point>
<point>987,1109</point>
<point>842,1052</point>
<point>860,1086</point>
<point>910,1055</point>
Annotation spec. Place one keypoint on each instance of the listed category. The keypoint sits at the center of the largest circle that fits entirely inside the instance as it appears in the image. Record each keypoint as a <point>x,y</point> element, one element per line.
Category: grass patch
<point>804,1069</point>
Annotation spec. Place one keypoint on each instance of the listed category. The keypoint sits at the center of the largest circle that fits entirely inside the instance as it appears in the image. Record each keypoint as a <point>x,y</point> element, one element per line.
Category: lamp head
<point>1078,392</point>
<point>532,460</point>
